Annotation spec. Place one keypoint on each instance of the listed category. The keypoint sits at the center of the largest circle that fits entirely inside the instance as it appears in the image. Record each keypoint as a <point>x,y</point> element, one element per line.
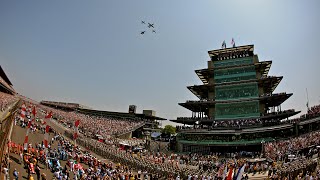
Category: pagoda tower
<point>236,86</point>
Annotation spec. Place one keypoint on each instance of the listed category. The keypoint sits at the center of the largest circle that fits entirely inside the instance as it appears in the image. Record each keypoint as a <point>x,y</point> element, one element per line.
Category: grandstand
<point>8,102</point>
<point>65,106</point>
<point>237,107</point>
<point>7,93</point>
<point>5,83</point>
<point>147,122</point>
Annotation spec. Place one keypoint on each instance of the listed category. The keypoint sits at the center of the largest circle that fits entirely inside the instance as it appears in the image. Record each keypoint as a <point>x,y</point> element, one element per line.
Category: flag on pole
<point>48,116</point>
<point>26,138</point>
<point>224,45</point>
<point>46,134</point>
<point>76,124</point>
<point>230,173</point>
<point>233,43</point>
<point>225,171</point>
<point>34,111</point>
<point>23,111</point>
<point>240,172</point>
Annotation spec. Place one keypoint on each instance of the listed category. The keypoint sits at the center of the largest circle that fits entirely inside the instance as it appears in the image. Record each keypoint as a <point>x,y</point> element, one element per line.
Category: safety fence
<point>5,134</point>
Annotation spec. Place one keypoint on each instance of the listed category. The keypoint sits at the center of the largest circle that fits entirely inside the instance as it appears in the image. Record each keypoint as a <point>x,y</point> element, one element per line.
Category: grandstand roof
<point>214,54</point>
<point>268,83</point>
<point>270,101</point>
<point>263,67</point>
<point>6,89</point>
<point>279,116</point>
<point>198,106</point>
<point>204,74</point>
<point>118,114</point>
<point>201,91</point>
<point>5,84</point>
<point>71,106</point>
<point>4,76</point>
<point>84,109</point>
<point>275,99</point>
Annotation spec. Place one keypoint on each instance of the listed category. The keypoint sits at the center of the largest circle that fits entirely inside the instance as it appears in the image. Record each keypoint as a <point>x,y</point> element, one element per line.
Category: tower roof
<point>219,54</point>
<point>204,74</point>
<point>203,105</point>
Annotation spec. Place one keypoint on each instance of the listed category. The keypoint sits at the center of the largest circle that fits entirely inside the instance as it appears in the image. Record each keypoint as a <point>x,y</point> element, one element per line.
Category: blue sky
<point>91,52</point>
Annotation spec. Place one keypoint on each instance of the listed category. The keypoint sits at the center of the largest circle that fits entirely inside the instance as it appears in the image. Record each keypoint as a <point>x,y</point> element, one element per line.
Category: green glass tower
<point>236,85</point>
<point>237,106</point>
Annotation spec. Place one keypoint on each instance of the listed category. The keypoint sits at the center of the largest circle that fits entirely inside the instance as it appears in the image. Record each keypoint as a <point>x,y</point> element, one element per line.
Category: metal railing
<point>5,133</point>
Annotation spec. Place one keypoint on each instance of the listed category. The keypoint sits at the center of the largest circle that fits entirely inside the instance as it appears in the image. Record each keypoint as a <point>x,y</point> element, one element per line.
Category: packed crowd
<point>233,124</point>
<point>162,165</point>
<point>314,112</point>
<point>272,94</point>
<point>6,100</point>
<point>79,163</point>
<point>91,125</point>
<point>198,166</point>
<point>279,149</point>
<point>194,166</point>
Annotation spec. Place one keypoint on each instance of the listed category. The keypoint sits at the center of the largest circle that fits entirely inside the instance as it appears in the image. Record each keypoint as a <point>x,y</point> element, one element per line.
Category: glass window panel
<point>237,110</point>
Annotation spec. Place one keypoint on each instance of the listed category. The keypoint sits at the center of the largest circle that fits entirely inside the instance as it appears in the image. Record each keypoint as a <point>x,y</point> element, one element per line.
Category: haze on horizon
<point>92,53</point>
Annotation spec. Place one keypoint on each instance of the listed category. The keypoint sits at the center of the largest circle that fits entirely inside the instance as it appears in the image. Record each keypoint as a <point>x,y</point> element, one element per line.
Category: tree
<point>168,129</point>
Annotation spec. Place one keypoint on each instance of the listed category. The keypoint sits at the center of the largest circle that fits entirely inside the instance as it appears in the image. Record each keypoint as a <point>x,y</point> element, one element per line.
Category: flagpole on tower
<point>224,45</point>
<point>233,43</point>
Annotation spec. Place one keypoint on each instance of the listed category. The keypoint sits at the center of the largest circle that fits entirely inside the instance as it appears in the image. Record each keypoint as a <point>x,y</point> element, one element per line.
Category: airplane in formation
<point>150,25</point>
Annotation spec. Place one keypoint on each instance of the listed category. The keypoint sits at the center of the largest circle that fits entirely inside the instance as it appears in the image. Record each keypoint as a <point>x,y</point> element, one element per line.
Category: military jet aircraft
<point>150,25</point>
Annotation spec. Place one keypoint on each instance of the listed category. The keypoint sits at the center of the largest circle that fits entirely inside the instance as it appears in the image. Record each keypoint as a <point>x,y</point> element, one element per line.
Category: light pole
<point>147,134</point>
<point>262,147</point>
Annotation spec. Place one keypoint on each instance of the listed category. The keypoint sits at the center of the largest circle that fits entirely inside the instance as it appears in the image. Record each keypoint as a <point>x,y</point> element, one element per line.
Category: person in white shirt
<point>21,158</point>
<point>57,174</point>
<point>71,166</point>
<point>209,177</point>
<point>6,172</point>
<point>178,177</point>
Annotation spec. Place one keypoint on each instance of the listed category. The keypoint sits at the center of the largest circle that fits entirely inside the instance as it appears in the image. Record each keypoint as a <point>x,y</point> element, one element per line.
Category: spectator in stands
<point>6,100</point>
